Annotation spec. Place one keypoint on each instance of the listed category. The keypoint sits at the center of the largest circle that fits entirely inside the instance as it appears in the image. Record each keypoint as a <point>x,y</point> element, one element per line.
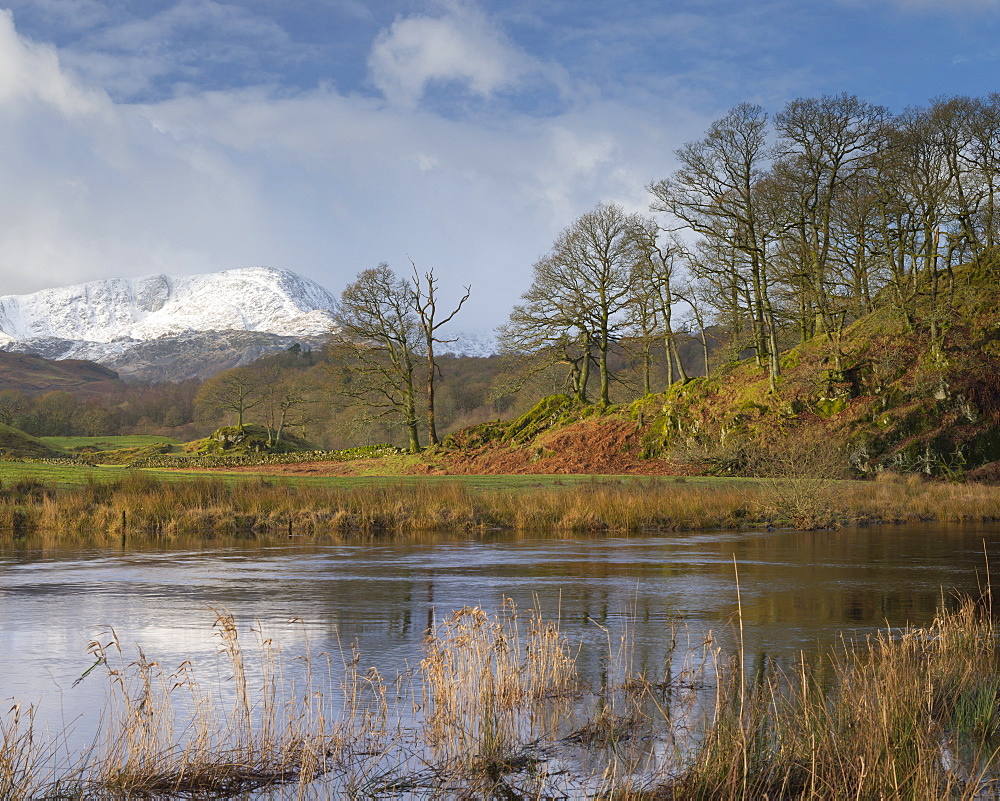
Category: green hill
<point>15,444</point>
<point>881,395</point>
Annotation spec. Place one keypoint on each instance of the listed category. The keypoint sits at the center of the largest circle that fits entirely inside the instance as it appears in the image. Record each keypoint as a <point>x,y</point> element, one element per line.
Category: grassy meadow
<point>111,443</point>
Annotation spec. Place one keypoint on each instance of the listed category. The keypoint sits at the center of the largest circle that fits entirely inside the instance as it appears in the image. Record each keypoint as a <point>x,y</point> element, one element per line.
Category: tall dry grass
<point>141,504</point>
<point>910,714</point>
<point>478,679</point>
<point>21,753</point>
<point>168,734</point>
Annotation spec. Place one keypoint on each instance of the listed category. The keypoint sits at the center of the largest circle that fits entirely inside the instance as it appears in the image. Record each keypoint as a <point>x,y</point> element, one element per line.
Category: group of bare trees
<point>278,398</point>
<point>774,230</point>
<point>848,207</point>
<point>609,276</point>
<point>387,327</point>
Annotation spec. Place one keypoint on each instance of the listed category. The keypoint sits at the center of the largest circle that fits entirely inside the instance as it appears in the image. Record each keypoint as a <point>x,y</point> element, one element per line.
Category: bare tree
<point>581,291</point>
<point>653,280</point>
<point>288,400</point>
<point>238,390</point>
<point>824,142</point>
<point>548,328</point>
<point>717,193</point>
<point>425,305</point>
<point>380,332</point>
<point>695,296</point>
<point>12,403</point>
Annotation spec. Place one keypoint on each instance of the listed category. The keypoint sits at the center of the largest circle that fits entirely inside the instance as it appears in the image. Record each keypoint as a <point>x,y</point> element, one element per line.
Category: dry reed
<point>21,753</point>
<point>477,679</point>
<point>165,734</point>
<point>141,504</point>
<point>910,714</point>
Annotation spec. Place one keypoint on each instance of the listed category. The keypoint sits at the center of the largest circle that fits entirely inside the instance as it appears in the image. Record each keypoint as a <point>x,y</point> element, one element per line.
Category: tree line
<point>774,230</point>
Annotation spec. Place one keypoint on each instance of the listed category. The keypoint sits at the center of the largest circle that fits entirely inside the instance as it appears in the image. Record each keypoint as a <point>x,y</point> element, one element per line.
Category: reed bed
<point>910,714</point>
<point>21,753</point>
<point>168,734</point>
<point>139,503</point>
<point>497,709</point>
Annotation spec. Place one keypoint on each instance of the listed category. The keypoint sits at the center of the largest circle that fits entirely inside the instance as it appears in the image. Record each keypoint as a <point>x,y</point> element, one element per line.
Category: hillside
<point>15,444</point>
<point>33,374</point>
<point>881,396</point>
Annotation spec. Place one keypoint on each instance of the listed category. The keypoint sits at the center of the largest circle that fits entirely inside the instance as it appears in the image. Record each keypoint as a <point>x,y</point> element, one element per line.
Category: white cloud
<point>461,45</point>
<point>30,73</point>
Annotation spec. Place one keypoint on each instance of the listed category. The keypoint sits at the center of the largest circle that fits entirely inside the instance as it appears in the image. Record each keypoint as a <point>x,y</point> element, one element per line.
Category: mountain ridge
<point>261,299</point>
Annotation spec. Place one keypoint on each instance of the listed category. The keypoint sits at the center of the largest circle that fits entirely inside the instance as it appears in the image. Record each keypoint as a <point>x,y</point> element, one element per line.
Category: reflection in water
<point>798,591</point>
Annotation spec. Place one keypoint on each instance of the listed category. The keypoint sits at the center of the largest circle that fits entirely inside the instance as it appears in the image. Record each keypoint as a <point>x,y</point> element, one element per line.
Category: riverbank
<point>141,503</point>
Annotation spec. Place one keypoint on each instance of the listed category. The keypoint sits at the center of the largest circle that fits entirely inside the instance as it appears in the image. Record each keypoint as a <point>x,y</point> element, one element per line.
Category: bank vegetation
<point>142,505</point>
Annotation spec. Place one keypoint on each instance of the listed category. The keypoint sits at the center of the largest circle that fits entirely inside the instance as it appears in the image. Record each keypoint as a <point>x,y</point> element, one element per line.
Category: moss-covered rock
<point>249,439</point>
<point>828,407</point>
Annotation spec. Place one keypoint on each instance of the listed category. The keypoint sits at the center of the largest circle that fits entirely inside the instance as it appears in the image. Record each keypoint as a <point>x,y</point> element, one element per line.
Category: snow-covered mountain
<point>121,309</point>
<point>467,344</point>
<point>164,327</point>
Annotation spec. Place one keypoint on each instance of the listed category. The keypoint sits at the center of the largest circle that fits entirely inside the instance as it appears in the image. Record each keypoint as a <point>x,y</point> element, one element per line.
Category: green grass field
<point>110,443</point>
<point>75,475</point>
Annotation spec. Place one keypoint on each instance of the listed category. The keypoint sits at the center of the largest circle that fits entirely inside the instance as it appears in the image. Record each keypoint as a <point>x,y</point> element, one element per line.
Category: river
<point>798,591</point>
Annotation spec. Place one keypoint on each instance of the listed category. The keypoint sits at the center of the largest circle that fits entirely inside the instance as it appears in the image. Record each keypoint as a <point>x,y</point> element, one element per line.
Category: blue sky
<point>325,136</point>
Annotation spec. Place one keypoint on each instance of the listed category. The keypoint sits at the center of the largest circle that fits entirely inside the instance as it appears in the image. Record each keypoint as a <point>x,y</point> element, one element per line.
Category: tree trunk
<point>584,371</point>
<point>411,425</point>
<point>603,365</point>
<point>432,436</point>
<point>676,355</point>
<point>646,366</point>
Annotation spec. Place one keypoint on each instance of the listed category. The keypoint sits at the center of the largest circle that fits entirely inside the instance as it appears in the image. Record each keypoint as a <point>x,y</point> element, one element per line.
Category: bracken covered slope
<point>880,396</point>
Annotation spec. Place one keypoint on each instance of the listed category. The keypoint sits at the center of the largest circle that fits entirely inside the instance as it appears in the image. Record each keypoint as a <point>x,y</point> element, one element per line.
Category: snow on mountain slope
<point>251,299</point>
<point>467,344</point>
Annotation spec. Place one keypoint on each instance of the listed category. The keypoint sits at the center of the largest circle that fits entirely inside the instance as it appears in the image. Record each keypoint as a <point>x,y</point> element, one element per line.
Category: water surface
<point>797,590</point>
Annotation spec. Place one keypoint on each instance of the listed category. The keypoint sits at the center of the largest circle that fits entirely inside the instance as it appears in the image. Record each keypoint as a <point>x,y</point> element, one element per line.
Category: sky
<point>327,136</point>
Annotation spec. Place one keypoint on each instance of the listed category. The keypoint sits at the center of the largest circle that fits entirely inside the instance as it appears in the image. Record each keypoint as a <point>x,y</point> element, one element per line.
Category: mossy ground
<point>883,397</point>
